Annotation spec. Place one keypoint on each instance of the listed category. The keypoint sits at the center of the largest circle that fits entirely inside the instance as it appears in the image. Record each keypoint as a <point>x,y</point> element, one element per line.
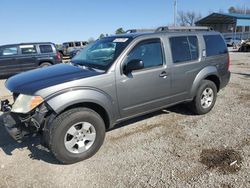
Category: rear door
<point>28,57</point>
<point>8,62</point>
<point>186,63</point>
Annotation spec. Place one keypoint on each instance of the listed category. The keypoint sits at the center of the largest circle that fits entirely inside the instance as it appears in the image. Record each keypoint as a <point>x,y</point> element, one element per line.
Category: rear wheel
<point>205,97</point>
<point>45,64</point>
<point>76,135</point>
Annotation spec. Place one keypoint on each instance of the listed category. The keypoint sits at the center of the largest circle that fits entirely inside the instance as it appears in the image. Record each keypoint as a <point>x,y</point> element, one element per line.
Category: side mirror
<point>135,64</point>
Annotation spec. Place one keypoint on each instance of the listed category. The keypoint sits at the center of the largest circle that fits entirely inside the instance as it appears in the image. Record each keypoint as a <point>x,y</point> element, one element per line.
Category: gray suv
<point>112,80</point>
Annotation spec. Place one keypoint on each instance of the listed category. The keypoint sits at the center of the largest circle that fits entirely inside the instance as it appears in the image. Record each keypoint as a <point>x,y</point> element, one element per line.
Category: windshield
<point>102,53</point>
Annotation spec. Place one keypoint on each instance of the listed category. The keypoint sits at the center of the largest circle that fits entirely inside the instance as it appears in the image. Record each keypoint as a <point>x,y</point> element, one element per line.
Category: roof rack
<point>139,30</point>
<point>185,28</point>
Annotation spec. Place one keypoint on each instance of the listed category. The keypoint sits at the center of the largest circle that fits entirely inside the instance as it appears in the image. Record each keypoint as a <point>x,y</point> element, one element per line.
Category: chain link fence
<point>241,35</point>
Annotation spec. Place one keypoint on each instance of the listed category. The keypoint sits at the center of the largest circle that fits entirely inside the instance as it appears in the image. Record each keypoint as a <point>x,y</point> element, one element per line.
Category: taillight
<point>58,55</point>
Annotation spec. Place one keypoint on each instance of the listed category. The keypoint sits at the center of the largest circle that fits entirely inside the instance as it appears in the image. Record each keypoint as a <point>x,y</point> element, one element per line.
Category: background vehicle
<point>68,47</point>
<point>245,46</point>
<point>16,58</point>
<point>233,41</point>
<point>74,52</point>
<point>113,80</point>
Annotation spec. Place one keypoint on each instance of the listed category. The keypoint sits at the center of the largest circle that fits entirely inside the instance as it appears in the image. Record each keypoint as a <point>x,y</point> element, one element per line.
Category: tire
<point>200,105</point>
<point>45,64</point>
<point>61,55</point>
<point>61,133</point>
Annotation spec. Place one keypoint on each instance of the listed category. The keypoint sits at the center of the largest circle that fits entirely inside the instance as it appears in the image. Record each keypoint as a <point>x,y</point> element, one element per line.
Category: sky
<point>71,20</point>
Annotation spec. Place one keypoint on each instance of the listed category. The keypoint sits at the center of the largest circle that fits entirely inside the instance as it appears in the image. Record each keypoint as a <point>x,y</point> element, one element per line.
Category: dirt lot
<point>170,148</point>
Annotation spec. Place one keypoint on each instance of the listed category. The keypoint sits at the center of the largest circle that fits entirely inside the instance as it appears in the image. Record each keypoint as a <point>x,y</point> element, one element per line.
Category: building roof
<point>236,15</point>
<point>224,18</point>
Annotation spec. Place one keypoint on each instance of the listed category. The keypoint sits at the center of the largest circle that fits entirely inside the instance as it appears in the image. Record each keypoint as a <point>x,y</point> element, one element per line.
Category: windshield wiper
<point>87,66</point>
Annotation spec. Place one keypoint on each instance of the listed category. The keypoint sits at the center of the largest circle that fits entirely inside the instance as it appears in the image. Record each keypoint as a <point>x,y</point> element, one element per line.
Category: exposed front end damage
<point>20,125</point>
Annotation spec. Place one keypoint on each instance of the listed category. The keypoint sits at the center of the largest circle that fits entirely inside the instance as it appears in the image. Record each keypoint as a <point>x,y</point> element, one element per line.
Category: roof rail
<point>182,28</point>
<point>139,30</point>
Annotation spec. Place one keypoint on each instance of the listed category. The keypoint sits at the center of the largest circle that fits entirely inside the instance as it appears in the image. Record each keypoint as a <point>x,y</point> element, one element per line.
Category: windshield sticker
<point>120,40</point>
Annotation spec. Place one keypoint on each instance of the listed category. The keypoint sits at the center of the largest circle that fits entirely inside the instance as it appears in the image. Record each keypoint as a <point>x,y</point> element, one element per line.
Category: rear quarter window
<point>46,49</point>
<point>215,45</point>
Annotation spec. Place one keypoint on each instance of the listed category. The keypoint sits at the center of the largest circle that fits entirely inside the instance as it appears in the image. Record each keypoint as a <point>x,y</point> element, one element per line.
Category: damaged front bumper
<point>22,125</point>
<point>12,124</point>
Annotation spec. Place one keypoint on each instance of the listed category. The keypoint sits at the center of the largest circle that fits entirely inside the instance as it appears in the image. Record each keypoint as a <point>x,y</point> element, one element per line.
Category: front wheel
<point>205,97</point>
<point>76,135</point>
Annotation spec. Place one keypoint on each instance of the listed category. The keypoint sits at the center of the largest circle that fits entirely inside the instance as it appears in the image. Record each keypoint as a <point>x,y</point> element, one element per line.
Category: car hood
<point>30,82</point>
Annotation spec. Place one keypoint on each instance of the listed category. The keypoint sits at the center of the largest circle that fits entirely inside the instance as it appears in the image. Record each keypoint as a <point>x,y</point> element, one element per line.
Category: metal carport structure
<point>227,23</point>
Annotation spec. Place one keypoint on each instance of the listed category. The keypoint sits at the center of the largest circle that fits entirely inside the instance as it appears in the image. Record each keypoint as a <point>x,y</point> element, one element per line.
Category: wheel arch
<point>207,73</point>
<point>215,79</point>
<point>92,99</point>
<point>95,107</point>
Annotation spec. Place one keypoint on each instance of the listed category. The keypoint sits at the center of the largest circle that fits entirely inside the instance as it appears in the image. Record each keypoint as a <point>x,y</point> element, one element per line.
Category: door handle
<point>164,74</point>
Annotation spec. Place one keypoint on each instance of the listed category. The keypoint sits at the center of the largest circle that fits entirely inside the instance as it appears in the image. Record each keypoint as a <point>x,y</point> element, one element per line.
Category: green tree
<point>58,46</point>
<point>232,10</point>
<point>101,36</point>
<point>119,31</point>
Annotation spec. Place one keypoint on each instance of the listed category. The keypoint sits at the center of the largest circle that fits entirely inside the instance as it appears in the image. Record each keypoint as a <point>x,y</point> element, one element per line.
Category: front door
<point>8,62</point>
<point>146,89</point>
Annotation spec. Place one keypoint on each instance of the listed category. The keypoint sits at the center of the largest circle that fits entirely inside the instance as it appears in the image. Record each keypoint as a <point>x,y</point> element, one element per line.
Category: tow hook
<point>5,106</point>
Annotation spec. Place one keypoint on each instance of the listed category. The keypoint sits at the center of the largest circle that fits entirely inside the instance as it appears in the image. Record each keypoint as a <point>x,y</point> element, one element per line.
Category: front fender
<point>205,72</point>
<point>62,100</point>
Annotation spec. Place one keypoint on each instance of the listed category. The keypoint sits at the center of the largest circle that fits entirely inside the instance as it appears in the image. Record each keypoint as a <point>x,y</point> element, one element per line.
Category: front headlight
<point>26,103</point>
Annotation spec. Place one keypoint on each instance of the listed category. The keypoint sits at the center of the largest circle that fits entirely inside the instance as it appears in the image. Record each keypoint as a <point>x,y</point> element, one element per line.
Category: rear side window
<point>84,43</point>
<point>149,51</point>
<point>184,48</point>
<point>46,49</point>
<point>215,45</point>
<point>78,44</point>
<point>28,49</point>
<point>71,44</point>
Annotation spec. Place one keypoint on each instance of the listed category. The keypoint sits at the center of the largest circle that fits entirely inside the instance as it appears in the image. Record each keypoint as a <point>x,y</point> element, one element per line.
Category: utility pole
<point>175,12</point>
<point>245,12</point>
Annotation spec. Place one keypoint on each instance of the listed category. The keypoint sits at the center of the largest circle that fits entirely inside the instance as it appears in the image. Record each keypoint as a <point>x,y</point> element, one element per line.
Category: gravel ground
<point>169,148</point>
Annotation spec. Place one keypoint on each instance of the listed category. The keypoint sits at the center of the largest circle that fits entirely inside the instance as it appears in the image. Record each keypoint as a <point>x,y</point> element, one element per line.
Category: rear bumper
<point>56,61</point>
<point>225,79</point>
